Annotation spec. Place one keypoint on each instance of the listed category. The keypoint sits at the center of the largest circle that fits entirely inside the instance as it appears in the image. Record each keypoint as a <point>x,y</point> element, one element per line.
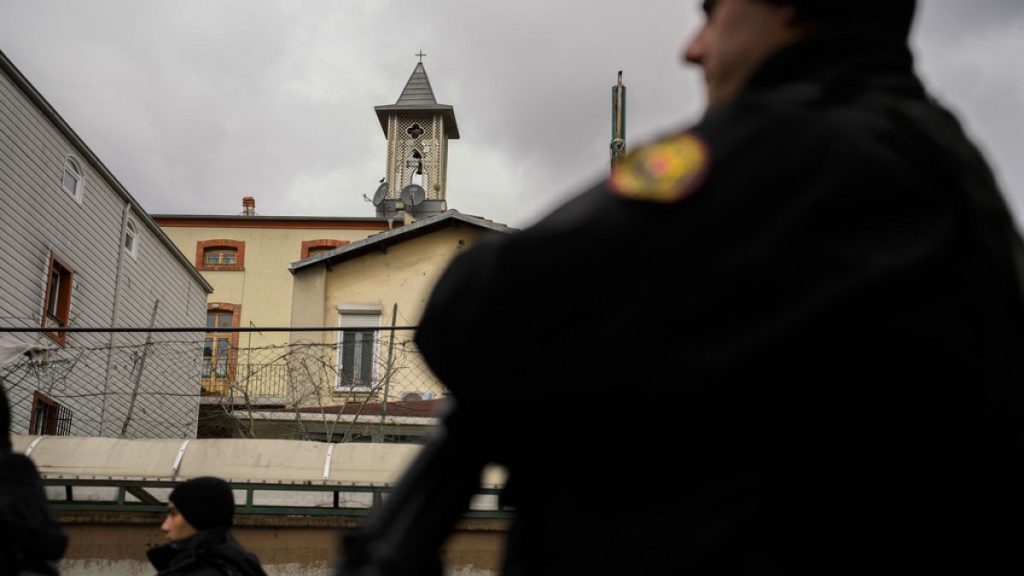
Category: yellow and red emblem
<point>665,172</point>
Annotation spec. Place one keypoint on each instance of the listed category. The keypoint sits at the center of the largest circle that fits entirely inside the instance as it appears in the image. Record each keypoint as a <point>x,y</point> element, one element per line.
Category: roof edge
<point>51,114</point>
<point>410,231</point>
<point>269,218</point>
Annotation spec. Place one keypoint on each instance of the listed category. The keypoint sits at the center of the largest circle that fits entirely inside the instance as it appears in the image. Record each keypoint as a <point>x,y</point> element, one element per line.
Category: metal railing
<point>258,380</point>
<point>283,499</point>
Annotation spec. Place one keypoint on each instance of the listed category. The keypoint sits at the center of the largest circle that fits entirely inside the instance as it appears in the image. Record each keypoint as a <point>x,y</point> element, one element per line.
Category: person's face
<point>736,38</point>
<point>175,527</point>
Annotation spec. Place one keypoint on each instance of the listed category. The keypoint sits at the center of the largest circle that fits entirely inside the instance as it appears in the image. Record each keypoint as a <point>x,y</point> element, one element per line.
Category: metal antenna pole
<point>618,143</point>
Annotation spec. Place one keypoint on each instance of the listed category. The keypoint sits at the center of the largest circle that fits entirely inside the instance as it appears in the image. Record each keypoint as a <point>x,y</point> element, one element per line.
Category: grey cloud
<point>195,104</point>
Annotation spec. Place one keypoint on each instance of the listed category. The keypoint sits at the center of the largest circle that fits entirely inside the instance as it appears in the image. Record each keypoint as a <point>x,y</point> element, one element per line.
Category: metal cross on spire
<point>421,55</point>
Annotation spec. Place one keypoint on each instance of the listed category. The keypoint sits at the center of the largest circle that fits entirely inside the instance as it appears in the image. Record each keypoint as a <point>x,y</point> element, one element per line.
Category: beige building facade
<point>246,260</point>
<point>363,281</point>
<point>365,288</point>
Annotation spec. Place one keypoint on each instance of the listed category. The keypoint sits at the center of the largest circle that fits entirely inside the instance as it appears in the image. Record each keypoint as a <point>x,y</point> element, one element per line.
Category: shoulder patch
<point>665,172</point>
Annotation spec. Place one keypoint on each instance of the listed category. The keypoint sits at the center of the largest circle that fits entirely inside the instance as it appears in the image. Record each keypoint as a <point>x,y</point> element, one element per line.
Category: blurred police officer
<point>807,307</point>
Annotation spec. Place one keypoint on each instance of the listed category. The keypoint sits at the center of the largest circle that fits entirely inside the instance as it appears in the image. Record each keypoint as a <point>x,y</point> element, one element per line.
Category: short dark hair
<point>890,17</point>
<point>880,16</point>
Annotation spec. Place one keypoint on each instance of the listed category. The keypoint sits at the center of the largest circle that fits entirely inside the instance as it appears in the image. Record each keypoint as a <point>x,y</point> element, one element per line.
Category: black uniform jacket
<point>787,340</point>
<point>31,540</point>
<point>212,552</point>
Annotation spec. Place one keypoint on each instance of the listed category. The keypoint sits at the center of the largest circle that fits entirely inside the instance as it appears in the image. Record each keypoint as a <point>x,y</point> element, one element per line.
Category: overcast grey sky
<point>194,104</point>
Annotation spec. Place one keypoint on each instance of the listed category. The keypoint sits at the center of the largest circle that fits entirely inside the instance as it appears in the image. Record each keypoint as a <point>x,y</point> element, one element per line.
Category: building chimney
<point>248,206</point>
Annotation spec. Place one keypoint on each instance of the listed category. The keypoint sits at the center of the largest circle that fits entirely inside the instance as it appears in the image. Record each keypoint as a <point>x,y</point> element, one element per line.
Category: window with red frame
<point>49,417</point>
<point>219,348</point>
<point>313,247</point>
<point>220,255</point>
<point>57,302</point>
<point>217,345</point>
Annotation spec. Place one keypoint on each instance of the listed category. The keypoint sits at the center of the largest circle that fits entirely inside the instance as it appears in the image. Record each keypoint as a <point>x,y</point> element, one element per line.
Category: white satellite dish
<point>380,194</point>
<point>413,195</point>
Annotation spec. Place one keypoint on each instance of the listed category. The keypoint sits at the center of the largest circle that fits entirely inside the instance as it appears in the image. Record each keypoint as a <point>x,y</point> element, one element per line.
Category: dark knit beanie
<point>205,502</point>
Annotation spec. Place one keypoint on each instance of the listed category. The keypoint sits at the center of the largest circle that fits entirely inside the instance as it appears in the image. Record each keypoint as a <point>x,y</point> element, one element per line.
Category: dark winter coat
<point>787,340</point>
<point>31,541</point>
<point>209,553</point>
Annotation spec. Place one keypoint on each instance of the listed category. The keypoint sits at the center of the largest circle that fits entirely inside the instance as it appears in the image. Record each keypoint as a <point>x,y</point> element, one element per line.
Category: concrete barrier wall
<point>115,544</point>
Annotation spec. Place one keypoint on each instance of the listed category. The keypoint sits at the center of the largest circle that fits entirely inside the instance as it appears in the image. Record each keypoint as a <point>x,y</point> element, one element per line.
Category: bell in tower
<point>418,130</point>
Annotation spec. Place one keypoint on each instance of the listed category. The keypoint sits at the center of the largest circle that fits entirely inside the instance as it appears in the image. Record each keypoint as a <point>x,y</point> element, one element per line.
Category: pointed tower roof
<point>417,90</point>
<point>418,96</point>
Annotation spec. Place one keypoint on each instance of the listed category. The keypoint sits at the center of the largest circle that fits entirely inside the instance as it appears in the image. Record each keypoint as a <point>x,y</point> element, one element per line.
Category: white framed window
<point>358,348</point>
<point>73,180</point>
<point>131,238</point>
<point>221,257</point>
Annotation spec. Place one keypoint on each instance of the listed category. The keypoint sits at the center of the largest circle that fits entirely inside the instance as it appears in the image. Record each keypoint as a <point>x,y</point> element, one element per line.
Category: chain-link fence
<point>368,384</point>
<point>103,384</point>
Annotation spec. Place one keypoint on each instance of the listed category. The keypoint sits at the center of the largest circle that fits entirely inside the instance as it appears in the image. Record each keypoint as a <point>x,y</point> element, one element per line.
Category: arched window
<point>73,181</point>
<point>220,347</point>
<point>415,164</point>
<point>131,238</point>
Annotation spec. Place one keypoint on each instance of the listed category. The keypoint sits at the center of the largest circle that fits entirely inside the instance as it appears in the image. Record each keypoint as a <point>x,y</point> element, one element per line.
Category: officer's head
<point>739,35</point>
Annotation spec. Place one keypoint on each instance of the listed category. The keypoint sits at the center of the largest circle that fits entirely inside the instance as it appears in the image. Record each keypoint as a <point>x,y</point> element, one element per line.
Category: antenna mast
<point>618,143</point>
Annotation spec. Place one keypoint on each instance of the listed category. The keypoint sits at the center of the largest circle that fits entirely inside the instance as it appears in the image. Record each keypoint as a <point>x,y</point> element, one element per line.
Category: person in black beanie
<point>31,541</point>
<point>200,513</point>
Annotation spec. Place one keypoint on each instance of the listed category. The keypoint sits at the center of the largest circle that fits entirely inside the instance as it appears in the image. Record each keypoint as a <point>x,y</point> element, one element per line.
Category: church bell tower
<point>418,130</point>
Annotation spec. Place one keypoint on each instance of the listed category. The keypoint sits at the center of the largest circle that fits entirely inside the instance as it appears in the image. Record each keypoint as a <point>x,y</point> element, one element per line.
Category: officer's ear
<point>796,20</point>
<point>795,23</point>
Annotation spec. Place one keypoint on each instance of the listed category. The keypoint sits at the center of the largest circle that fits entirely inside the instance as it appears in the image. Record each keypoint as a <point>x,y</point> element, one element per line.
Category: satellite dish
<point>380,194</point>
<point>413,195</point>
